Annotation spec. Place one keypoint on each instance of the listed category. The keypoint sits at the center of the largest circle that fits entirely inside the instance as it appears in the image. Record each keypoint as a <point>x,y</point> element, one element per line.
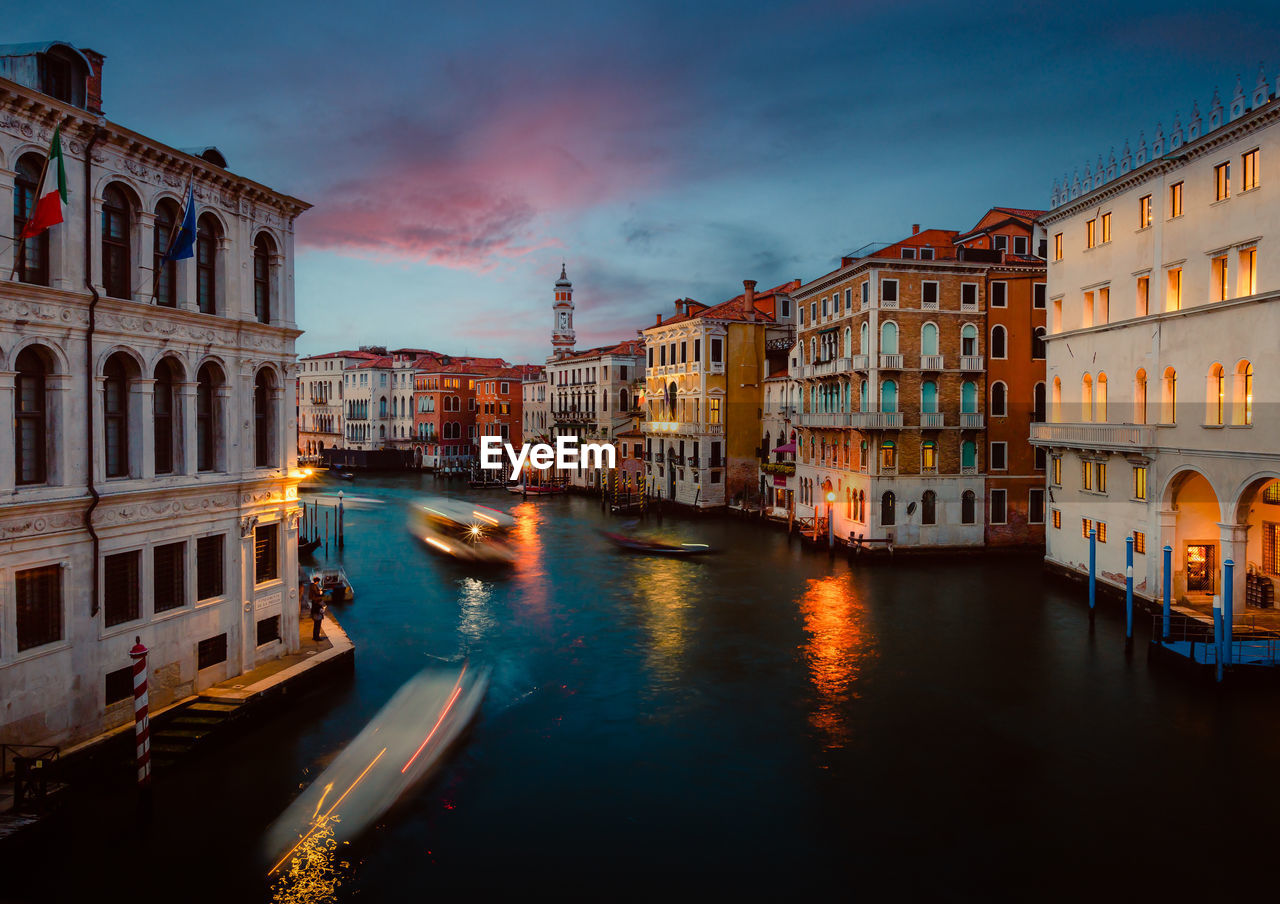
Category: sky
<point>457,153</point>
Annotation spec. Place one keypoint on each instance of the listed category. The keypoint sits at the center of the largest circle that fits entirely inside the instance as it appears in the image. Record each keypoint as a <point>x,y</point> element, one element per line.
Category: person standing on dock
<point>316,593</point>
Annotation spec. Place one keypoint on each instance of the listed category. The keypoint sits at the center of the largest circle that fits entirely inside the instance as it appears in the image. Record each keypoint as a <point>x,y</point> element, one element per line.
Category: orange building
<point>499,402</point>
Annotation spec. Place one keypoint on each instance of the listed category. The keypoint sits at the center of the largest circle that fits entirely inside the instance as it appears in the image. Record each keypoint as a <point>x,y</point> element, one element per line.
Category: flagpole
<point>173,237</point>
<point>20,256</point>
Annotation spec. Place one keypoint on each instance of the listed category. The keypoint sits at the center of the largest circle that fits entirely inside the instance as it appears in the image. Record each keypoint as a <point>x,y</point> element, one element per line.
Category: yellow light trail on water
<point>457,689</point>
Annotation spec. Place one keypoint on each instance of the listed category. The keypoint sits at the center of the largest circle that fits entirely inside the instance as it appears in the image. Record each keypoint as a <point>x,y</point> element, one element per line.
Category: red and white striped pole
<point>141,726</point>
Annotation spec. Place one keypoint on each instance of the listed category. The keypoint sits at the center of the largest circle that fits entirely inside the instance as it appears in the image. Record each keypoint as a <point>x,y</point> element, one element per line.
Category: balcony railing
<point>889,303</point>
<point>931,362</point>
<point>971,362</point>
<point>1095,436</point>
<point>861,362</point>
<point>878,420</point>
<point>891,362</point>
<point>969,469</point>
<point>970,421</point>
<point>932,419</point>
<point>825,419</point>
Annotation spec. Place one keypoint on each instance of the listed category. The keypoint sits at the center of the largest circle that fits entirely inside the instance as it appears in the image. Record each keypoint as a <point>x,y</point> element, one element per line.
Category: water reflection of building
<point>664,592</point>
<point>838,643</point>
<point>1161,297</point>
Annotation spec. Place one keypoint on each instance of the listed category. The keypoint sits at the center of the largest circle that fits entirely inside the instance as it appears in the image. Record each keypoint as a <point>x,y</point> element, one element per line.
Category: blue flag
<point>183,244</point>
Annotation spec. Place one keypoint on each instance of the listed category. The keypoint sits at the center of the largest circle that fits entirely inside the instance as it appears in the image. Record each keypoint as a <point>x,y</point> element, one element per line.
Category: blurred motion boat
<point>463,530</point>
<point>393,755</point>
<point>655,547</point>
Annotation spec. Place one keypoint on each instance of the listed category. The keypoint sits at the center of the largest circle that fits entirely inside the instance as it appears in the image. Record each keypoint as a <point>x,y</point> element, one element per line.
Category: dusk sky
<point>456,153</point>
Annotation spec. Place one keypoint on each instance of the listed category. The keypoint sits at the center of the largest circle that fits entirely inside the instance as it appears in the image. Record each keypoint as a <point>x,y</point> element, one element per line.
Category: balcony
<point>970,421</point>
<point>1095,436</point>
<point>827,368</point>
<point>931,362</point>
<point>932,420</point>
<point>969,470</point>
<point>878,420</point>
<point>971,362</point>
<point>825,419</point>
<point>861,362</point>
<point>891,362</point>
<point>889,304</point>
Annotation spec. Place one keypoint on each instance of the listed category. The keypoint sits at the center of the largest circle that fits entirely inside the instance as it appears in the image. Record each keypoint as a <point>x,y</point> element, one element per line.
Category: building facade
<point>534,407</point>
<point>148,488</point>
<point>706,366</point>
<point>322,412</point>
<point>1163,305</point>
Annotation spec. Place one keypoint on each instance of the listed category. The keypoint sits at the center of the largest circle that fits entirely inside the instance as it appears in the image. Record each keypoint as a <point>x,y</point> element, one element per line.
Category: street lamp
<point>831,525</point>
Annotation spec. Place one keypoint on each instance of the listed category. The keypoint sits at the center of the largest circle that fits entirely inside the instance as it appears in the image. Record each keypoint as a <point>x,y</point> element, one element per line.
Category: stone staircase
<point>183,729</point>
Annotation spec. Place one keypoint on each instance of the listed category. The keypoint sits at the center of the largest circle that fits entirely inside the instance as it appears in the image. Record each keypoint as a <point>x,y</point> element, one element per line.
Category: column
<point>187,412</point>
<point>1233,545</point>
<point>7,462</point>
<point>290,604</point>
<point>223,428</point>
<point>146,288</point>
<point>1167,518</point>
<point>248,620</point>
<point>142,428</point>
<point>98,402</point>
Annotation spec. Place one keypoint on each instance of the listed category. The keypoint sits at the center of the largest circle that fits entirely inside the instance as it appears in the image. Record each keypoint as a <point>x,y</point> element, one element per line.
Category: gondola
<point>535,489</point>
<point>654,547</point>
<point>305,547</point>
<point>334,583</point>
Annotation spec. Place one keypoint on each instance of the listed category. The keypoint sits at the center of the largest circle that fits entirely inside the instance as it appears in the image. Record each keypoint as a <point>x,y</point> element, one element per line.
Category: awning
<point>789,447</point>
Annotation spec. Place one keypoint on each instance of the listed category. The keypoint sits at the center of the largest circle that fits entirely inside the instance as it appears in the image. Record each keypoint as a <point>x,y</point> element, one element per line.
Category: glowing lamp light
<point>831,497</point>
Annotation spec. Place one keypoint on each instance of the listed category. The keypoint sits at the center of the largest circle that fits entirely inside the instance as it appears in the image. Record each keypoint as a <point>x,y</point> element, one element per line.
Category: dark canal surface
<point>763,722</point>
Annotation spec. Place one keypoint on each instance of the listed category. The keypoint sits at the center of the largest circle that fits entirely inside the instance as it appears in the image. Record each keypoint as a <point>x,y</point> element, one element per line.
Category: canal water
<point>763,721</point>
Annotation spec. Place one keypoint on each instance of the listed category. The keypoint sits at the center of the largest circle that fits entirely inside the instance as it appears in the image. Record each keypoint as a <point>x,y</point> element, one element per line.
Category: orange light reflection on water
<point>664,589</point>
<point>529,573</point>
<point>838,644</point>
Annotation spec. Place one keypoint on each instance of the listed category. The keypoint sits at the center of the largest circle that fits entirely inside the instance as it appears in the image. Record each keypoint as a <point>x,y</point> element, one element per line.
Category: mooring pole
<point>1228,587</point>
<point>1093,569</point>
<point>341,522</point>
<point>141,724</point>
<point>326,532</point>
<point>1217,633</point>
<point>1128,591</point>
<point>1168,591</point>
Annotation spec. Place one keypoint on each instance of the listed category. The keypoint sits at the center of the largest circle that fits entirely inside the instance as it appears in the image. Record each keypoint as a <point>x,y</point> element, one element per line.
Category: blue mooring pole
<point>1217,632</point>
<point>1128,590</point>
<point>1168,590</point>
<point>1093,568</point>
<point>1228,582</point>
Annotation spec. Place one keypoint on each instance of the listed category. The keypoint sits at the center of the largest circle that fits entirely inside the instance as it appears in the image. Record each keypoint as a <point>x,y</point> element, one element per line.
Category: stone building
<point>706,366</point>
<point>147,488</point>
<point>322,412</point>
<point>1164,304</point>
<point>535,409</point>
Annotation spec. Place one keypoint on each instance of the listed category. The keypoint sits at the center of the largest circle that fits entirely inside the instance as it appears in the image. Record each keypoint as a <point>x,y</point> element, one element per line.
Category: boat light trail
<point>457,689</point>
<point>317,823</point>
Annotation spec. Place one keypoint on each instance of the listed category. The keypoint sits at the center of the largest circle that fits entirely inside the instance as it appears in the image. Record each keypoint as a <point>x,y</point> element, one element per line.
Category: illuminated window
<point>1144,295</point>
<point>1139,481</point>
<point>1057,470</point>
<point>1057,246</point>
<point>1270,547</point>
<point>1175,200</point>
<point>1247,281</point>
<point>1169,397</point>
<point>1102,531</point>
<point>1057,519</point>
<point>888,455</point>
<point>713,411</point>
<point>1106,228</point>
<point>1144,211</point>
<point>1222,181</point>
<point>1090,233</point>
<point>1086,527</point>
<point>1100,469</point>
<point>1086,475</point>
<point>1139,542</point>
<point>1218,279</point>
<point>929,456</point>
<point>1173,297</point>
<point>1242,395</point>
<point>1249,170</point>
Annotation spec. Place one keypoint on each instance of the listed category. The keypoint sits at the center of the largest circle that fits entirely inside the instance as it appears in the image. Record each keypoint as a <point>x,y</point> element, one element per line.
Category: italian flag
<point>53,192</point>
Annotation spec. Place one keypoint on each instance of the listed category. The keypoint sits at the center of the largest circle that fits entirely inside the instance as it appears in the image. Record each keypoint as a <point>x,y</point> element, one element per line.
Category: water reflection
<point>664,591</point>
<point>475,618</point>
<point>530,576</point>
<point>315,873</point>
<point>834,619</point>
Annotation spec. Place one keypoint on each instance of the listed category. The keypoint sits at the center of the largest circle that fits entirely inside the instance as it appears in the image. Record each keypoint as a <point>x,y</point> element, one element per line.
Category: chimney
<point>93,84</point>
<point>846,261</point>
<point>915,228</point>
<point>658,322</point>
<point>749,298</point>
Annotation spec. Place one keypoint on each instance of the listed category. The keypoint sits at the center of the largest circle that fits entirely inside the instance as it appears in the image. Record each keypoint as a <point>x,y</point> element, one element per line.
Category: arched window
<point>864,336</point>
<point>887,508</point>
<point>263,421</point>
<point>33,253</point>
<point>888,455</point>
<point>166,272</point>
<point>115,403</point>
<point>862,396</point>
<point>1086,398</point>
<point>262,249</point>
<point>888,396</point>
<point>929,397</point>
<point>117,253</point>
<point>928,507</point>
<point>1100,403</point>
<point>967,507</point>
<point>382,407</point>
<point>862,456</point>
<point>1038,404</point>
<point>1057,400</point>
<point>1243,395</point>
<point>31,424</point>
<point>848,341</point>
<point>968,339</point>
<point>1037,344</point>
<point>998,342</point>
<point>164,417</point>
<point>929,339</point>
<point>929,455</point>
<point>382,431</point>
<point>968,455</point>
<point>207,379</point>
<point>969,397</point>
<point>623,400</point>
<point>999,399</point>
<point>1215,396</point>
<point>207,232</point>
<point>888,338</point>
<point>1140,397</point>
<point>1169,397</point>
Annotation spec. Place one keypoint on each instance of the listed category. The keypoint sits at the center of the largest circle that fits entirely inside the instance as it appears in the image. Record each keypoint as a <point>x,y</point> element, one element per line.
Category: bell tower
<point>562,338</point>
